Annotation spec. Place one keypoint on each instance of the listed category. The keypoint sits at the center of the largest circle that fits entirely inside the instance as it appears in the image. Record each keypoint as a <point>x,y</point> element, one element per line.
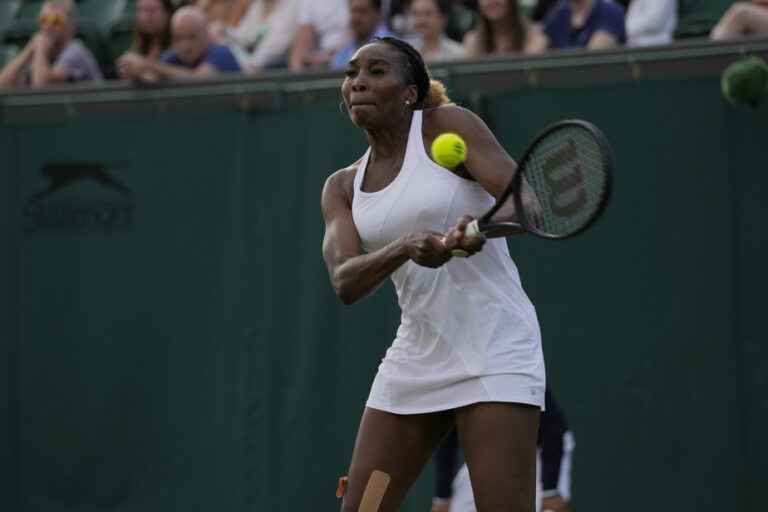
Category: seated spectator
<point>52,55</point>
<point>153,31</point>
<point>224,14</point>
<point>429,19</point>
<point>502,28</point>
<point>743,19</point>
<point>192,53</point>
<point>365,23</point>
<point>264,36</point>
<point>592,24</point>
<point>651,22</point>
<point>321,33</point>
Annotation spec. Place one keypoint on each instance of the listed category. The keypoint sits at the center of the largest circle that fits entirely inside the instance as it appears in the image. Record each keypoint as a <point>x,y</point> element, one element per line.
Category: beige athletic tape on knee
<point>374,491</point>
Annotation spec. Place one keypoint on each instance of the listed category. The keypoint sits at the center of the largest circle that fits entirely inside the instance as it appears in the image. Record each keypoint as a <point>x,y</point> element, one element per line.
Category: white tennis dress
<point>468,332</point>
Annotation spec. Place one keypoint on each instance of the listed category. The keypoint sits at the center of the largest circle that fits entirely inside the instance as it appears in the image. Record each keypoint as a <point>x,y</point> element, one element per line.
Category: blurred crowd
<point>194,38</point>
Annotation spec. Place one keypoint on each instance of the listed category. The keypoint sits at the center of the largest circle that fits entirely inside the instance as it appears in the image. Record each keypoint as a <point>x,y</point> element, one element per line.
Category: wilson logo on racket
<point>555,193</point>
<point>562,183</point>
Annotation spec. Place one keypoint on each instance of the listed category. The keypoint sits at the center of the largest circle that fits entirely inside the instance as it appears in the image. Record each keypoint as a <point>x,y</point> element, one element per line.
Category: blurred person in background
<point>191,55</point>
<point>264,35</point>
<point>152,33</point>
<point>502,28</point>
<point>429,19</point>
<point>52,55</point>
<point>365,23</point>
<point>743,19</point>
<point>216,11</point>
<point>591,24</point>
<point>322,30</point>
<point>453,490</point>
<point>224,15</point>
<point>651,22</point>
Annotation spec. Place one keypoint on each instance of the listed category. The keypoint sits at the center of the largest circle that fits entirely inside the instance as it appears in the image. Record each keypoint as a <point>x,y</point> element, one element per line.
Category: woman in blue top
<point>591,24</point>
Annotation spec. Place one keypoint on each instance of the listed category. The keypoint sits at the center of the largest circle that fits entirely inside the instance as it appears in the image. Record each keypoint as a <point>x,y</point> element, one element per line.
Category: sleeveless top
<point>468,332</point>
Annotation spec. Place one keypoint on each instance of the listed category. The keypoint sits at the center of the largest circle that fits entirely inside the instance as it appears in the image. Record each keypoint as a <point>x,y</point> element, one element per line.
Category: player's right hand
<point>457,238</point>
<point>427,249</point>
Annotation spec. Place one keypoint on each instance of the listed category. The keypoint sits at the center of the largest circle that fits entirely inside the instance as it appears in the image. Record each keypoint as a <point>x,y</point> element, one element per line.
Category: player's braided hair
<point>429,93</point>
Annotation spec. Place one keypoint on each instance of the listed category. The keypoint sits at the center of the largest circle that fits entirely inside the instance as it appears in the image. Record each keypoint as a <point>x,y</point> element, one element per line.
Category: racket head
<point>563,181</point>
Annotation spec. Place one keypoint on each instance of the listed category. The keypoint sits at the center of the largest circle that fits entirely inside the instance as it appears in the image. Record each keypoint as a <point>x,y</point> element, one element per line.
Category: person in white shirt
<point>264,36</point>
<point>322,31</point>
<point>651,22</point>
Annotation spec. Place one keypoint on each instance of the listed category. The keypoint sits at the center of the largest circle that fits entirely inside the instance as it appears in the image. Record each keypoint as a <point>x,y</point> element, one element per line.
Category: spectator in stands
<point>224,14</point>
<point>591,24</point>
<point>192,53</point>
<point>264,36</point>
<point>651,22</point>
<point>461,18</point>
<point>52,55</point>
<point>429,19</point>
<point>743,19</point>
<point>365,23</point>
<point>502,28</point>
<point>153,31</point>
<point>218,12</point>
<point>321,33</point>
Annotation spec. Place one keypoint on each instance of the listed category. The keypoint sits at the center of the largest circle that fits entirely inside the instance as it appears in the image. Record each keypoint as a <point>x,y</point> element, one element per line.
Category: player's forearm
<point>360,275</point>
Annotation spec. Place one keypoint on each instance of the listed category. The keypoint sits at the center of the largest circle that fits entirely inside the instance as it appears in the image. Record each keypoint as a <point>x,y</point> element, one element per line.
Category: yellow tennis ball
<point>449,150</point>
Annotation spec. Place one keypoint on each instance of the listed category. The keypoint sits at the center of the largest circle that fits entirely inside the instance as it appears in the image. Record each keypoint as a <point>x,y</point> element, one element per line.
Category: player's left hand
<point>555,504</point>
<point>456,237</point>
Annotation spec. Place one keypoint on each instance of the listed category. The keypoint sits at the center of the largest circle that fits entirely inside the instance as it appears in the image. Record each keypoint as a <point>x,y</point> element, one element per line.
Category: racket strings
<point>563,181</point>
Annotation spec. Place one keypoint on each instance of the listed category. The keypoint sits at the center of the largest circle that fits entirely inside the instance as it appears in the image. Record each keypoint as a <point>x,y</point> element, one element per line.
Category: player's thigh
<point>398,445</point>
<point>499,441</point>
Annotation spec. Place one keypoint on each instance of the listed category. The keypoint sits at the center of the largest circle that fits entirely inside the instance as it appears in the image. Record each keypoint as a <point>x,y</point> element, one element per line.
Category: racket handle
<point>472,230</point>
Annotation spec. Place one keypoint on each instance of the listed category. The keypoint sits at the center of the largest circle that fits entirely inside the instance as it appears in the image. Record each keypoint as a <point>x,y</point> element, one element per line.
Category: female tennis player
<point>468,349</point>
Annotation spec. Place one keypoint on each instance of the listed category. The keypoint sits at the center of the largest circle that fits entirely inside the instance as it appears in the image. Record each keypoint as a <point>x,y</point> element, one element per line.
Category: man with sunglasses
<point>52,55</point>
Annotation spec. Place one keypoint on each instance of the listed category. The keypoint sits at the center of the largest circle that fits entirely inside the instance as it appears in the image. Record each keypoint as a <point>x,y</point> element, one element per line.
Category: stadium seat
<point>29,9</point>
<point>102,13</point>
<point>8,10</point>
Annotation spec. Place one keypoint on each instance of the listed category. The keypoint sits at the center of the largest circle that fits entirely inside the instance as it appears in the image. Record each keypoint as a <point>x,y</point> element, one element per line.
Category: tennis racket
<point>562,185</point>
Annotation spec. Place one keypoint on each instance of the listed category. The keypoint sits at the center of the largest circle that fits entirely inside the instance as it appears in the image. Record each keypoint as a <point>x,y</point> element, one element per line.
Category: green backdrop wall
<point>170,340</point>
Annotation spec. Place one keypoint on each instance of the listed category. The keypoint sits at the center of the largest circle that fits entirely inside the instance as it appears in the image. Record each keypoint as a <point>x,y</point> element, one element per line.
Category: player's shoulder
<point>451,118</point>
<point>341,182</point>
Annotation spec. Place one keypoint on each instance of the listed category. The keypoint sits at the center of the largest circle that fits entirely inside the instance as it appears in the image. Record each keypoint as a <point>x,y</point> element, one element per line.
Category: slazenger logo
<point>59,207</point>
